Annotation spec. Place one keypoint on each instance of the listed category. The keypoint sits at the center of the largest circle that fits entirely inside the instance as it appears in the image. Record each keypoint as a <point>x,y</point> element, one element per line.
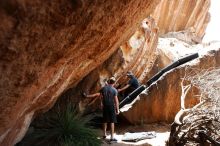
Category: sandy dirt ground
<point>162,134</point>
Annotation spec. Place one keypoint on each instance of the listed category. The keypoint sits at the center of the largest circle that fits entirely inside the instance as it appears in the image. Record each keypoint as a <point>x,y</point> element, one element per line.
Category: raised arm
<point>93,95</point>
<point>125,87</point>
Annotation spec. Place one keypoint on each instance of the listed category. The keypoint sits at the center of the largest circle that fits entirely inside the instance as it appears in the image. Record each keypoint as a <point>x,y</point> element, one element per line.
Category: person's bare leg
<point>104,129</point>
<point>112,130</point>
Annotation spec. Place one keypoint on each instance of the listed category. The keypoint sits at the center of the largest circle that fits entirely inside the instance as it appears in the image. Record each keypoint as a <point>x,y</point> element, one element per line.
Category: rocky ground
<point>161,129</point>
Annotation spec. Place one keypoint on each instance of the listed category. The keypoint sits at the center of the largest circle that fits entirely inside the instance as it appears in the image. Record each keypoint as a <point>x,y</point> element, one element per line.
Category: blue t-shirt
<point>108,92</point>
<point>133,82</point>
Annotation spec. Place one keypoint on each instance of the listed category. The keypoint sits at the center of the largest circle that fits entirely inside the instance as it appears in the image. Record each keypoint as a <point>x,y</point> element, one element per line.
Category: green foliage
<point>64,128</point>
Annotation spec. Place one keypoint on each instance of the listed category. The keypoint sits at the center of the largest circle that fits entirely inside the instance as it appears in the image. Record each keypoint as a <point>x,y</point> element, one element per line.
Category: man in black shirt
<point>110,106</point>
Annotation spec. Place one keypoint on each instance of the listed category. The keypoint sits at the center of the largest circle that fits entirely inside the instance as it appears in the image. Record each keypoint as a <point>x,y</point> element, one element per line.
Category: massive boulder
<point>49,46</point>
<point>161,101</point>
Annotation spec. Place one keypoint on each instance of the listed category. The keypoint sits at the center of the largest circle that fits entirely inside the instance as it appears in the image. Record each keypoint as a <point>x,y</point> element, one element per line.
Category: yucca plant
<point>63,128</point>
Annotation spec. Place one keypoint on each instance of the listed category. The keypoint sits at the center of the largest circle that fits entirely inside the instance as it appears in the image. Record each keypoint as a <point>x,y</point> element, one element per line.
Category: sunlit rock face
<point>161,101</point>
<point>188,15</point>
<point>185,21</point>
<point>49,46</point>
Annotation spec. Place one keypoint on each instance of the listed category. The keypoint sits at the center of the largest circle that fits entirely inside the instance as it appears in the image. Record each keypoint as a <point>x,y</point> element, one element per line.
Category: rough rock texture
<point>162,101</point>
<point>191,15</point>
<point>48,46</point>
<point>186,36</point>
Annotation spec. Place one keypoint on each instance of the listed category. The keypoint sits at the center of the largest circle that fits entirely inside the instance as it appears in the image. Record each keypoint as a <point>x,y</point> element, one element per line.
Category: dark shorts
<point>109,115</point>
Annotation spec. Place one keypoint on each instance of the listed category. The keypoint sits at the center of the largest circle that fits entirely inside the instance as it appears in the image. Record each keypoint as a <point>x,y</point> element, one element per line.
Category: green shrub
<point>63,128</point>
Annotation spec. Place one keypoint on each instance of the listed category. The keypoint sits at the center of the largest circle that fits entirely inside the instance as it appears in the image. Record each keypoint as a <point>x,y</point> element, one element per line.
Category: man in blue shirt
<point>132,83</point>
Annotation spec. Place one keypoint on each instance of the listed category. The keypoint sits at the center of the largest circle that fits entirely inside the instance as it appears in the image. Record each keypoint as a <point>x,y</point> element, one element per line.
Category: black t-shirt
<point>108,92</point>
<point>133,82</point>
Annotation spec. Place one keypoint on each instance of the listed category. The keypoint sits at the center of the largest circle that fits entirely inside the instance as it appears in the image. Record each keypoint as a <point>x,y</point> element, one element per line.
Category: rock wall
<point>191,15</point>
<point>49,46</point>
